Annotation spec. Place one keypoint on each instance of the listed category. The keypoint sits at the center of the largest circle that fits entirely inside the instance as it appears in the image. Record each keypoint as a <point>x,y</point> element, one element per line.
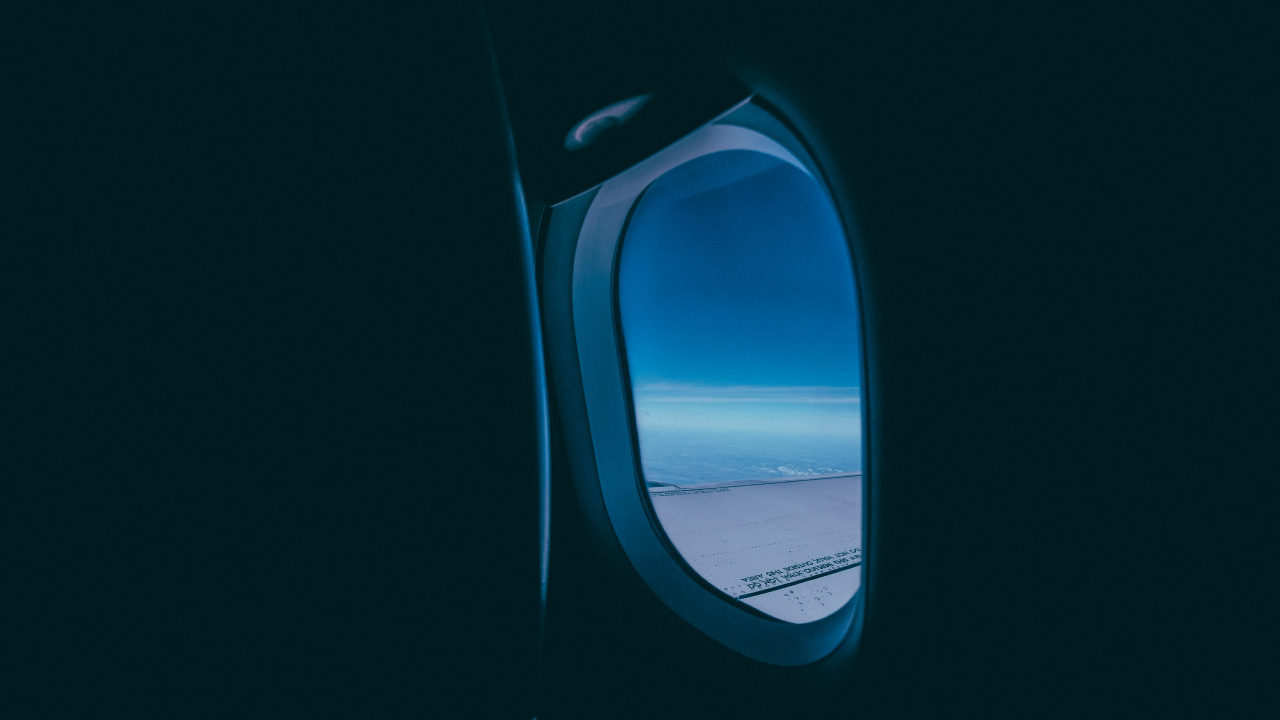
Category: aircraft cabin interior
<point>657,360</point>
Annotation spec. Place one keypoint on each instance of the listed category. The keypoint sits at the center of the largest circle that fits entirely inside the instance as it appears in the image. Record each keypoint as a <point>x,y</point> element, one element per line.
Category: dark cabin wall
<point>1061,260</point>
<point>271,438</point>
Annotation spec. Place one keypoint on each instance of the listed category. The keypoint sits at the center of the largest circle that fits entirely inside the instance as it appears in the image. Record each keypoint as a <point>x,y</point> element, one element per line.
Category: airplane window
<point>740,325</point>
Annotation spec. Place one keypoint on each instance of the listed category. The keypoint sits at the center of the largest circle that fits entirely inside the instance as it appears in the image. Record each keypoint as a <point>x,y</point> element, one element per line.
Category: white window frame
<point>601,358</point>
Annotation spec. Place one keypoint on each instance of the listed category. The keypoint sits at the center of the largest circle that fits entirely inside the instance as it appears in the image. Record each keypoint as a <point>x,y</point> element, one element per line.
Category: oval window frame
<point>606,392</point>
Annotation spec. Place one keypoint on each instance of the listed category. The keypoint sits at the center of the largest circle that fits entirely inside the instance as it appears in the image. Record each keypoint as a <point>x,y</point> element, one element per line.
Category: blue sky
<point>737,302</point>
<point>734,271</point>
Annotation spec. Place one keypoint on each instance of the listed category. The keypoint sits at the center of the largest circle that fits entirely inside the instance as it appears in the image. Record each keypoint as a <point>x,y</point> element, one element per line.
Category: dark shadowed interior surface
<point>1060,268</point>
<point>274,414</point>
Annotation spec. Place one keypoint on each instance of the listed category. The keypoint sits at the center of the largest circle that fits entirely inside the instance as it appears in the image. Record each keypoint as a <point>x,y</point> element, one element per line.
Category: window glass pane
<point>739,320</point>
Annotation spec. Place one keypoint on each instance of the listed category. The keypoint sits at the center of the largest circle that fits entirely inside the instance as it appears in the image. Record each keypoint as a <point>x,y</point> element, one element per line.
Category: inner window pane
<point>739,318</point>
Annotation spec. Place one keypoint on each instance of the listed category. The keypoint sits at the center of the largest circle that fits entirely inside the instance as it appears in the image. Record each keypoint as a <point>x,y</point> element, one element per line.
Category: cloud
<point>813,410</point>
<point>789,394</point>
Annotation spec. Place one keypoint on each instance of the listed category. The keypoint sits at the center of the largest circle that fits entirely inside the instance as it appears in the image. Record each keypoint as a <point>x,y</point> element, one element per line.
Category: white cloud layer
<point>777,409</point>
<point>790,394</point>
